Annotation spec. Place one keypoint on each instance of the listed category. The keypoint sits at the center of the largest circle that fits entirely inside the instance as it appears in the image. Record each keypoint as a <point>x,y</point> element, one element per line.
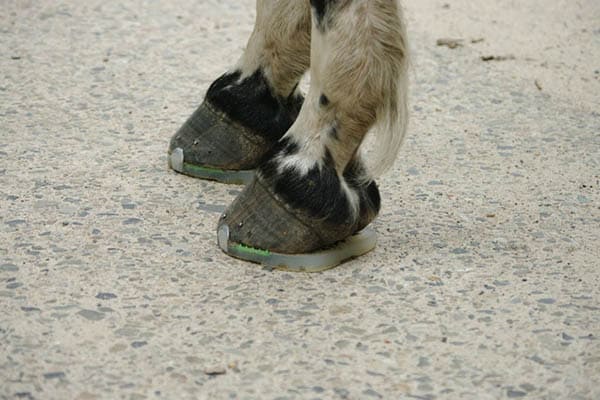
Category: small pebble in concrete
<point>547,301</point>
<point>91,315</point>
<point>215,371</point>
<point>496,185</point>
<point>54,375</point>
<point>106,296</point>
<point>514,394</point>
<point>8,268</point>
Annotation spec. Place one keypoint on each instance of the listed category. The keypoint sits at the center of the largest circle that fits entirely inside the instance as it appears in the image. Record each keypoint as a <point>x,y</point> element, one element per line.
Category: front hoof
<point>291,211</point>
<point>209,140</point>
<point>356,245</point>
<point>257,219</point>
<point>258,227</point>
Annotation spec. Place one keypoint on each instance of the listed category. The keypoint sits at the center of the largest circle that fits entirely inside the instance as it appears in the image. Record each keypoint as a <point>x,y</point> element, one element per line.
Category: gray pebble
<point>54,375</point>
<point>513,394</point>
<point>547,301</point>
<point>15,222</point>
<point>131,221</point>
<point>8,268</point>
<point>372,393</point>
<point>214,371</point>
<point>106,296</point>
<point>91,315</point>
<point>566,337</point>
<point>459,251</point>
<point>343,393</point>
<point>528,387</point>
<point>413,171</point>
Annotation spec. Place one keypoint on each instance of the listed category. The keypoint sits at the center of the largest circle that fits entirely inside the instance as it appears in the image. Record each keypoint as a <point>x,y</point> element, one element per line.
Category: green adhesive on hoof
<point>178,164</point>
<point>251,251</point>
<point>349,248</point>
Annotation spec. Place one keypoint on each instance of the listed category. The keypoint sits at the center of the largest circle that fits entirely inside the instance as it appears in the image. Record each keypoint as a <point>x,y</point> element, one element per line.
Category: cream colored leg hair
<point>358,84</point>
<point>279,44</point>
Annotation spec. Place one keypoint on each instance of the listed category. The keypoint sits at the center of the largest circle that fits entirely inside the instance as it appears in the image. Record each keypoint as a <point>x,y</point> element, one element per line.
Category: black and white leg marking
<point>313,191</point>
<point>357,83</point>
<point>252,102</point>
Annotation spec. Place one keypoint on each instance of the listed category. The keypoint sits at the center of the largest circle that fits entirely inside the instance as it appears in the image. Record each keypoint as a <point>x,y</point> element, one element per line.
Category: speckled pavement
<point>485,283</point>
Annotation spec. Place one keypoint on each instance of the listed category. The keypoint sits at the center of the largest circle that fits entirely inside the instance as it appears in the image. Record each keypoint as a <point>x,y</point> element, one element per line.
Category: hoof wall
<point>178,164</point>
<point>354,246</point>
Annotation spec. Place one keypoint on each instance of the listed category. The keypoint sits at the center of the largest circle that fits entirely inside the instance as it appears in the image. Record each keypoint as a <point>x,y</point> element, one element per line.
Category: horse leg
<point>250,107</point>
<point>314,190</point>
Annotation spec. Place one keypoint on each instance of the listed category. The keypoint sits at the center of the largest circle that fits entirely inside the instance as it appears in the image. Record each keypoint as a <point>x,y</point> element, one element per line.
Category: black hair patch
<point>368,192</point>
<point>333,132</point>
<point>372,198</point>
<point>288,147</point>
<point>328,158</point>
<point>320,8</point>
<point>323,101</point>
<point>252,103</point>
<point>322,12</point>
<point>318,193</point>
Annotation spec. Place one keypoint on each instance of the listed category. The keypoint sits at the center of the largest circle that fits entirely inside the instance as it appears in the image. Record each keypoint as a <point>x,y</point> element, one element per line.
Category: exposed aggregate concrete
<point>485,283</point>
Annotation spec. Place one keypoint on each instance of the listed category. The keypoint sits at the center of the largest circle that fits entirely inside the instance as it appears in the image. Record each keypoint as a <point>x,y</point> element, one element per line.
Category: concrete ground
<point>485,282</point>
